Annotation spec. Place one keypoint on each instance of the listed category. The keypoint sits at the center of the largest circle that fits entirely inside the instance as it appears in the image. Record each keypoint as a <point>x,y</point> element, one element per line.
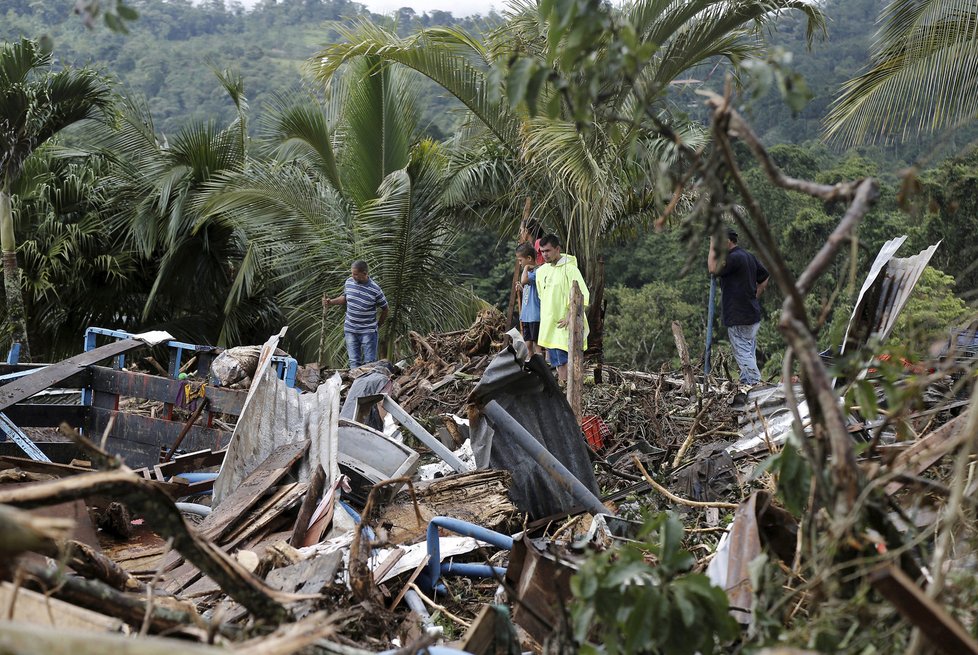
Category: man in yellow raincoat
<point>555,279</point>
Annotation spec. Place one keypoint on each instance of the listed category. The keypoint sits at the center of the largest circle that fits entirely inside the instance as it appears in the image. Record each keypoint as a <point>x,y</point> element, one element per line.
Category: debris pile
<point>448,503</point>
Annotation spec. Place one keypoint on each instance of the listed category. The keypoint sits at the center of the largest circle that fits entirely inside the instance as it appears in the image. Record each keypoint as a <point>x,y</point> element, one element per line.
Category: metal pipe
<point>710,311</point>
<point>434,569</point>
<point>510,427</point>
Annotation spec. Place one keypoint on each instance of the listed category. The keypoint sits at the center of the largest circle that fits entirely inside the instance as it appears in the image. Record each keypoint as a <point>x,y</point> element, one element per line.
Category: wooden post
<point>516,269</point>
<point>575,352</point>
<point>689,380</point>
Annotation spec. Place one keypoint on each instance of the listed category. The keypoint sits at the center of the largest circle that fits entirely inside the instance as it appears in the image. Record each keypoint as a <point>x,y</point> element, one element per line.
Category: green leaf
<point>126,12</point>
<point>518,80</point>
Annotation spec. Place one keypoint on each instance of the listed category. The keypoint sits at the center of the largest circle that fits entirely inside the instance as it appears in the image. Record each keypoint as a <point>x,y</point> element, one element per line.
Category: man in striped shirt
<point>362,297</point>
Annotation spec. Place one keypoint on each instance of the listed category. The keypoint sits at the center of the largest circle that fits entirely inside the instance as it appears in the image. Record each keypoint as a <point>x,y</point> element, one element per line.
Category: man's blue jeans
<point>743,338</point>
<point>361,348</point>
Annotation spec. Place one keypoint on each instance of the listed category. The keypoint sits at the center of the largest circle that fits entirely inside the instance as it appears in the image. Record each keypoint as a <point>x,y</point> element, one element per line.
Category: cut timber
<point>315,490</point>
<point>925,452</point>
<point>254,487</point>
<point>259,522</point>
<point>88,562</point>
<point>144,498</point>
<point>27,386</point>
<point>38,609</point>
<point>943,631</point>
<point>491,633</point>
<point>575,368</point>
<point>689,380</point>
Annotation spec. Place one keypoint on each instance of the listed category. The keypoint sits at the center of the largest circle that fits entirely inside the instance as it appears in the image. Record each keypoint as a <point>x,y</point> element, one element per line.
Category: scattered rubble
<point>268,519</point>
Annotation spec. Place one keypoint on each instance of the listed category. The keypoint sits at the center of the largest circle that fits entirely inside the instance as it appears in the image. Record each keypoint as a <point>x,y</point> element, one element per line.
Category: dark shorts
<point>531,331</point>
<point>557,357</point>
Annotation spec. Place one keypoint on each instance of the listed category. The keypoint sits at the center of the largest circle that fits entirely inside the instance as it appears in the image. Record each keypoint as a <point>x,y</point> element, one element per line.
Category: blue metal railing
<point>285,367</point>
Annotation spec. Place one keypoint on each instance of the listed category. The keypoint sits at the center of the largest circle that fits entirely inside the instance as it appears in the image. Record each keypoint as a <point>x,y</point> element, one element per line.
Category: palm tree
<point>35,105</point>
<point>348,178</point>
<point>593,184</point>
<point>76,273</point>
<point>921,77</point>
<point>157,187</point>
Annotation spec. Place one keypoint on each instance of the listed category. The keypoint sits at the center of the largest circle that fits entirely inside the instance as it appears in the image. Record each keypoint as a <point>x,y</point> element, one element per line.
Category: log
<point>88,562</point>
<point>143,497</point>
<point>22,531</point>
<point>689,380</point>
<point>575,367</point>
<point>166,613</point>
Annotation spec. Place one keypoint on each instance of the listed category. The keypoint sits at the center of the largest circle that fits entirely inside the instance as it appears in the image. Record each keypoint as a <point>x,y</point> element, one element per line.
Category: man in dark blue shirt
<point>362,297</point>
<point>742,281</point>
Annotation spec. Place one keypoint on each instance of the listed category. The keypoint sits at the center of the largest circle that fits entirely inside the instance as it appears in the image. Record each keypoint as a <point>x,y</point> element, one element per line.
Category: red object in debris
<point>596,431</point>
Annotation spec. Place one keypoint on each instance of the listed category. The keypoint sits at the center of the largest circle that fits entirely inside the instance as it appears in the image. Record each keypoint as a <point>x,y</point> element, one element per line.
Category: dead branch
<point>673,497</point>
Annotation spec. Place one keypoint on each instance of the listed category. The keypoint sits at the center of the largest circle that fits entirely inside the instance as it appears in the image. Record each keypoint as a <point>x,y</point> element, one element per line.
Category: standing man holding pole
<point>555,281</point>
<point>742,281</point>
<point>361,327</point>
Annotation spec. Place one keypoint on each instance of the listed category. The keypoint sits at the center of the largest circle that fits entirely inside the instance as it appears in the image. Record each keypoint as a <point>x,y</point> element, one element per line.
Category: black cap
<point>732,235</point>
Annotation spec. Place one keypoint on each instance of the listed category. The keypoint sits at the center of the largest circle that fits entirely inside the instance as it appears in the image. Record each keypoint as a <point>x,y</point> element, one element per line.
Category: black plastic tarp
<point>529,393</point>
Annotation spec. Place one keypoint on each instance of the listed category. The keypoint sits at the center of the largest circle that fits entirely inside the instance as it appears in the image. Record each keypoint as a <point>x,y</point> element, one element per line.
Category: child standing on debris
<point>530,311</point>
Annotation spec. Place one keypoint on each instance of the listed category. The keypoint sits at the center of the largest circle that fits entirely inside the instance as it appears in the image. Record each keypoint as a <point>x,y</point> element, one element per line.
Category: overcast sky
<point>459,8</point>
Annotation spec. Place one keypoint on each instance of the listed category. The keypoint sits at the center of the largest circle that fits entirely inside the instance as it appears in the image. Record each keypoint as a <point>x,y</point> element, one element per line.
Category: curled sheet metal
<point>274,415</point>
<point>885,293</point>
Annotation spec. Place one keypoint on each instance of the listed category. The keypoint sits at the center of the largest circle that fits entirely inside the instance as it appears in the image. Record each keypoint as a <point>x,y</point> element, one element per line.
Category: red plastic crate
<point>596,431</point>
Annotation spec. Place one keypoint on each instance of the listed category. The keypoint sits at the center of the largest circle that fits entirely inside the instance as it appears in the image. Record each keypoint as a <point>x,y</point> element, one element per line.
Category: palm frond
<point>922,77</point>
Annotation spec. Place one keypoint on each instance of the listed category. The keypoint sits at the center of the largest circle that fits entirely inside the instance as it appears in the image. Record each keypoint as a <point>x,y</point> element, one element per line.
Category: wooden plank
<point>925,452</point>
<point>154,387</point>
<point>24,388</point>
<point>42,610</point>
<point>262,516</point>
<point>259,481</point>
<point>50,468</point>
<point>943,631</point>
<point>139,438</point>
<point>308,576</point>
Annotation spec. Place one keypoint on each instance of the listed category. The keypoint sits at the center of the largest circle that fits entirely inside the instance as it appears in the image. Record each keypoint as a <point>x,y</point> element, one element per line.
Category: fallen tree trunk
<point>156,507</point>
<point>165,613</point>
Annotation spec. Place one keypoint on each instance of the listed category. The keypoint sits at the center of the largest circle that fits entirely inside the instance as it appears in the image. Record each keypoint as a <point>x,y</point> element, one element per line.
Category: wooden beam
<point>575,367</point>
<point>689,380</point>
<point>25,387</point>
<point>943,631</point>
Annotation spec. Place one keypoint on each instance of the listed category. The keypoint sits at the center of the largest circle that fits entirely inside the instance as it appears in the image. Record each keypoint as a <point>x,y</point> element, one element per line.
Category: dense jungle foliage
<point>169,68</point>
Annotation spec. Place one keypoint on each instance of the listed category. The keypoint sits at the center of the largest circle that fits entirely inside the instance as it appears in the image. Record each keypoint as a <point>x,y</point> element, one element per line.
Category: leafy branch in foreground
<point>635,607</point>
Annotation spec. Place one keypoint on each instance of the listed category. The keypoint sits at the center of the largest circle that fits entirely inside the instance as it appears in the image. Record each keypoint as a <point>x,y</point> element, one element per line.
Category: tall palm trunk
<point>16,314</point>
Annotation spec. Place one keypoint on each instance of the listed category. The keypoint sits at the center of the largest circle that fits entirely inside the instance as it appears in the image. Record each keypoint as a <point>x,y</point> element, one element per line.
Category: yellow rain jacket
<point>554,282</point>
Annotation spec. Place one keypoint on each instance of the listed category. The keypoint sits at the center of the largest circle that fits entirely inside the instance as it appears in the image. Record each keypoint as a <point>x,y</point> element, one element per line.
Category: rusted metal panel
<point>29,415</point>
<point>153,387</point>
<point>139,438</point>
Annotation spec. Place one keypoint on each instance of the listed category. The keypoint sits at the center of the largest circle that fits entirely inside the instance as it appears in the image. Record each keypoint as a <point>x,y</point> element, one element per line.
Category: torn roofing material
<point>885,293</point>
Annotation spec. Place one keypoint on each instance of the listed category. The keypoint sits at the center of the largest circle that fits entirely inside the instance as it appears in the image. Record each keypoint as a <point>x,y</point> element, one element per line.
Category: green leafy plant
<point>627,605</point>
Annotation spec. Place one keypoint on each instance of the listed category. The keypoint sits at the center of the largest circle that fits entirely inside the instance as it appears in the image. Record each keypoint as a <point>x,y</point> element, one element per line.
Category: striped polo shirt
<point>362,303</point>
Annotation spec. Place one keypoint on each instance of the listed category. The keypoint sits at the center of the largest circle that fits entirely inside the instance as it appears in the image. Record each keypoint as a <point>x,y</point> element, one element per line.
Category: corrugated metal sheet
<point>275,415</point>
<point>885,293</point>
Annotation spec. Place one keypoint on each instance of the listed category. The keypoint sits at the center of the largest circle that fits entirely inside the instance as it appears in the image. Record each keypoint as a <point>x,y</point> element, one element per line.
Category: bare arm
<point>383,316</point>
<point>339,300</point>
<point>525,277</point>
<point>761,287</point>
<point>711,260</point>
